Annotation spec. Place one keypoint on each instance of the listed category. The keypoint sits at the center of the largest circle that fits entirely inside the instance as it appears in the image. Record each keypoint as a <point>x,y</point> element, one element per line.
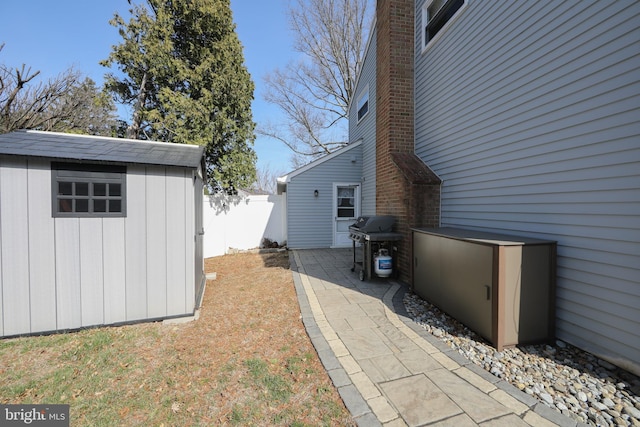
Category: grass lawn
<point>246,361</point>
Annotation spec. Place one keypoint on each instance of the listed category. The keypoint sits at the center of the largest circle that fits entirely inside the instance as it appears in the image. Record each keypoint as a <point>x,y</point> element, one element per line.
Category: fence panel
<point>242,222</point>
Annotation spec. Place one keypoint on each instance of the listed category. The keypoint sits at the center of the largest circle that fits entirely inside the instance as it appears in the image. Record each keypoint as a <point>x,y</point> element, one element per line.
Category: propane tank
<point>383,264</point>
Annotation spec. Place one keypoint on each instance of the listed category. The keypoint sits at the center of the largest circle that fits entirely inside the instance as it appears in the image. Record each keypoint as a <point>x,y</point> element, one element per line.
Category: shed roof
<point>98,148</point>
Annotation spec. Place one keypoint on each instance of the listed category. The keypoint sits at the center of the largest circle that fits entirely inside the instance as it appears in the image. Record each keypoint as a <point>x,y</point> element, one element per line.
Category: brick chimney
<point>405,187</point>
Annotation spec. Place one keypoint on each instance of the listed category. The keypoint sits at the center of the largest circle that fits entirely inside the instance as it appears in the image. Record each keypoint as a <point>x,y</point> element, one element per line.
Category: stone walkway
<point>388,370</point>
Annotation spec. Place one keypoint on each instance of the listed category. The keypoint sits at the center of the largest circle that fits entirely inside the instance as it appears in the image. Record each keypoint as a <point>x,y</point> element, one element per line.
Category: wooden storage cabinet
<point>500,286</point>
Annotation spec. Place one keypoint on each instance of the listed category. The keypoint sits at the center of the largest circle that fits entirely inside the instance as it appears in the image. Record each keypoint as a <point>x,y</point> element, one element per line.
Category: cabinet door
<point>467,276</point>
<point>426,267</point>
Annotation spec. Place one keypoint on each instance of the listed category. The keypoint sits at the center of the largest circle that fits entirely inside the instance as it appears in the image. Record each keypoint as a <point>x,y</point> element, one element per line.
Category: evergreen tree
<point>184,76</point>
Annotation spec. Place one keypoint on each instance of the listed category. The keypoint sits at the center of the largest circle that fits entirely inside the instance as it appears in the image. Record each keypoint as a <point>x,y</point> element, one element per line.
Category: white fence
<point>242,222</point>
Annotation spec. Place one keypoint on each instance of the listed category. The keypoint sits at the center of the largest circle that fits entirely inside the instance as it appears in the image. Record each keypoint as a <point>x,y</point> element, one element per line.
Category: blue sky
<point>53,35</point>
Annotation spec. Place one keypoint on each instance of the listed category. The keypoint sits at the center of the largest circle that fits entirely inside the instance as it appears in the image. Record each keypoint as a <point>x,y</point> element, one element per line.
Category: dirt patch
<point>246,361</point>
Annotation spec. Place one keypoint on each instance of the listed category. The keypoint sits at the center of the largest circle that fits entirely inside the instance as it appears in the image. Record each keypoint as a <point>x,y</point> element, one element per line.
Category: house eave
<point>282,181</point>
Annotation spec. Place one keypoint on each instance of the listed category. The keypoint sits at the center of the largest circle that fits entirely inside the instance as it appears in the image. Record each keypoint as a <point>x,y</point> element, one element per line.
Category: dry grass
<point>246,361</point>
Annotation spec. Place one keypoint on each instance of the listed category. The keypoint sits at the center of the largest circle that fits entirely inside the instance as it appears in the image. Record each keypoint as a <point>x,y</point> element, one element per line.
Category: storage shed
<point>97,231</point>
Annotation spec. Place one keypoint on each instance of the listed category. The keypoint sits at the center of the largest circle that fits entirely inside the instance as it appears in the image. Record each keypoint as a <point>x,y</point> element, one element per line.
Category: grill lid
<point>374,224</point>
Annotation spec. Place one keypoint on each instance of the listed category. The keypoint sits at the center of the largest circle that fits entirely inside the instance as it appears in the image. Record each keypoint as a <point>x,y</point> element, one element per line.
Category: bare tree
<point>84,109</point>
<point>314,92</point>
<point>64,103</point>
<point>266,180</point>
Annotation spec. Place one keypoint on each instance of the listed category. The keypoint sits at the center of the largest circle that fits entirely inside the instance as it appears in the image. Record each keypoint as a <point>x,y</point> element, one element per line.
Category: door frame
<point>334,209</point>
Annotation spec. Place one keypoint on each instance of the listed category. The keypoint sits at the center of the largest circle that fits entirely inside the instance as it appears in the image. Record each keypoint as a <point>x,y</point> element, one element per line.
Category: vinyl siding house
<point>314,222</point>
<point>362,124</point>
<point>529,115</point>
<point>97,231</point>
<point>322,199</point>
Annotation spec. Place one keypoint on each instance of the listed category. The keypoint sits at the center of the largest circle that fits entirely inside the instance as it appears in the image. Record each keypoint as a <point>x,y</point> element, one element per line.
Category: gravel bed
<point>572,381</point>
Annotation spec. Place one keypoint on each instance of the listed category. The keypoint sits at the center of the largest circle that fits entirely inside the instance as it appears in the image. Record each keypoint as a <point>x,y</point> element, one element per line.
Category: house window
<point>436,14</point>
<point>88,190</point>
<point>363,103</point>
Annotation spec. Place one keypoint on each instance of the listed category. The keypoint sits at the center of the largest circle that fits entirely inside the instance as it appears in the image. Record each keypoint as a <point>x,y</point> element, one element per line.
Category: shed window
<point>436,14</point>
<point>88,190</point>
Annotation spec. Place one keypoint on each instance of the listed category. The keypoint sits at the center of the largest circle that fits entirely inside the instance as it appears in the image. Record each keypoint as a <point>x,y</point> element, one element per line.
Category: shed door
<point>199,233</point>
<point>346,208</point>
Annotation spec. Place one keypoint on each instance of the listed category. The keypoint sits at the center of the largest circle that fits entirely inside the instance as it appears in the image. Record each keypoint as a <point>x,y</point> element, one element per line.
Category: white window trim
<point>358,206</point>
<point>360,97</point>
<point>423,24</point>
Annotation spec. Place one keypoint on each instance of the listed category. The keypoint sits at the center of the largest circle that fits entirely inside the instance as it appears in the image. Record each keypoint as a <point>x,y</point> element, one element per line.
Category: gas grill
<point>374,233</point>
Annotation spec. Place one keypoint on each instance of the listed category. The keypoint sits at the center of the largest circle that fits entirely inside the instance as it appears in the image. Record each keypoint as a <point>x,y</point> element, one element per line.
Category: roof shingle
<point>99,149</point>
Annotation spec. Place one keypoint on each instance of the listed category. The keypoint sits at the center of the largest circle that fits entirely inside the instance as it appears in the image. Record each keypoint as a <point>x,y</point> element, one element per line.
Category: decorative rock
<point>601,421</point>
<point>571,400</point>
<point>578,384</point>
<point>496,371</point>
<point>546,398</point>
<point>599,406</point>
<point>632,412</point>
<point>560,388</point>
<point>614,414</point>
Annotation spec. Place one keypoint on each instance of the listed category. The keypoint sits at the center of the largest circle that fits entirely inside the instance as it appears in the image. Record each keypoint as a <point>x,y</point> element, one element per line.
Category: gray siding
<point>529,113</point>
<point>365,130</point>
<point>67,273</point>
<point>309,218</point>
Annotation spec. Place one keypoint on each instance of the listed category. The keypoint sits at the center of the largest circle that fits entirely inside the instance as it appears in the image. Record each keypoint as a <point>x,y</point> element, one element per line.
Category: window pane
<point>99,189</point>
<point>88,191</point>
<point>434,7</point>
<point>82,189</point>
<point>346,213</point>
<point>99,205</point>
<point>82,205</point>
<point>439,13</point>
<point>115,206</point>
<point>64,205</point>
<point>363,110</point>
<point>65,188</point>
<point>346,192</point>
<point>114,190</point>
<point>344,202</point>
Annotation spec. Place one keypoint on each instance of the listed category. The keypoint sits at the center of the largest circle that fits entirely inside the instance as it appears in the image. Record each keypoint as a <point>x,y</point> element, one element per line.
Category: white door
<point>346,208</point>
